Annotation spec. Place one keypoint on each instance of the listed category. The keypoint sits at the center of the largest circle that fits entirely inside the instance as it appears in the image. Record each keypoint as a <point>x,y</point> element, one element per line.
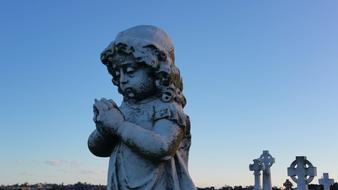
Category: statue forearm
<point>149,143</point>
<point>101,145</point>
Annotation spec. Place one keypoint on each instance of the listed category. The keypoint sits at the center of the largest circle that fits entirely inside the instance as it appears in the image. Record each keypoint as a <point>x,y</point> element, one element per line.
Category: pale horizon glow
<point>258,75</point>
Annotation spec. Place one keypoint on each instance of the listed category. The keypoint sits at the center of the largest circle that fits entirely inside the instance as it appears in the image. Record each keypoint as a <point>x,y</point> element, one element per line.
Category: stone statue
<point>147,137</point>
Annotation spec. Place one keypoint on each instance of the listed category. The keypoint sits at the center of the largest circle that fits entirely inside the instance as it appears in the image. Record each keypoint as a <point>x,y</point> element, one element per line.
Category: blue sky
<point>257,75</point>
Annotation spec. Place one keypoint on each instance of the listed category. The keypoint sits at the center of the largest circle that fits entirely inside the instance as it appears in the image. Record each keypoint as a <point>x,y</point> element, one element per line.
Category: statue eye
<point>130,70</point>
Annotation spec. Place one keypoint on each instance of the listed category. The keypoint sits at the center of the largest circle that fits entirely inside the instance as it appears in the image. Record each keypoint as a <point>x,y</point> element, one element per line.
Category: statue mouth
<point>129,92</point>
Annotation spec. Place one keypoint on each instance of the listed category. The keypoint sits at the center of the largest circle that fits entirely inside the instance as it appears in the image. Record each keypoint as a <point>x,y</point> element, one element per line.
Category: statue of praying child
<point>148,137</point>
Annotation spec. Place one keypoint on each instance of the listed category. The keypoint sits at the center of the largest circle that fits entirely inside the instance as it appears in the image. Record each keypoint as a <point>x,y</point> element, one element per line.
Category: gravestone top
<point>326,181</point>
<point>302,172</point>
<point>287,184</point>
<point>257,166</point>
<point>267,159</point>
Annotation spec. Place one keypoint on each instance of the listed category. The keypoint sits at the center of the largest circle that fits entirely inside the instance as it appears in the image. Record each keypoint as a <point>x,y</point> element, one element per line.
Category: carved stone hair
<point>152,47</point>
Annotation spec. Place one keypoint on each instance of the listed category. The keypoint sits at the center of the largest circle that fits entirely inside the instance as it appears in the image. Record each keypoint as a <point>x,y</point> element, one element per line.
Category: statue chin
<point>131,94</point>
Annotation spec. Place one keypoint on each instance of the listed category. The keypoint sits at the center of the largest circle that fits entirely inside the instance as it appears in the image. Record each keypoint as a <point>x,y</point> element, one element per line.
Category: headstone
<point>326,181</point>
<point>267,160</point>
<point>287,185</point>
<point>302,172</point>
<point>257,167</point>
<point>148,136</point>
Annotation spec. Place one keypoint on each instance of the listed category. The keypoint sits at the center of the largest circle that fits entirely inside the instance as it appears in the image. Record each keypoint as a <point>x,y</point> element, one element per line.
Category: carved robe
<point>130,170</point>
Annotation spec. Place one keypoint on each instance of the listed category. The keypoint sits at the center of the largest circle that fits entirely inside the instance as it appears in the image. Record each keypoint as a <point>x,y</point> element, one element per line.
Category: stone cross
<point>257,167</point>
<point>287,185</point>
<point>302,172</point>
<point>326,181</point>
<point>267,160</point>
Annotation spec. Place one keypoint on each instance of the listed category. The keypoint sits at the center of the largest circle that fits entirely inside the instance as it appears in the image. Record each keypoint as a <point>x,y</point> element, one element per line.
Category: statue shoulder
<point>171,111</point>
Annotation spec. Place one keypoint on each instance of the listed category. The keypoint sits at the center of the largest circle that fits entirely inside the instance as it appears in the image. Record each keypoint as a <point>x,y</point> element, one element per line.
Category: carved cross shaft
<point>257,166</point>
<point>267,160</point>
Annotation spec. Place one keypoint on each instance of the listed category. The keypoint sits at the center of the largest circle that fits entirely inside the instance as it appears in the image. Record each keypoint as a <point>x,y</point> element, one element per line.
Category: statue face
<point>135,80</point>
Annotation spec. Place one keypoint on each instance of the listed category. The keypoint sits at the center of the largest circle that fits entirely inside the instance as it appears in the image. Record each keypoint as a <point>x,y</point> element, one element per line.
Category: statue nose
<point>123,78</point>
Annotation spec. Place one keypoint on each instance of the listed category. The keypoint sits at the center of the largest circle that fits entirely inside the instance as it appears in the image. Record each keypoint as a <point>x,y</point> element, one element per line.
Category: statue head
<point>141,61</point>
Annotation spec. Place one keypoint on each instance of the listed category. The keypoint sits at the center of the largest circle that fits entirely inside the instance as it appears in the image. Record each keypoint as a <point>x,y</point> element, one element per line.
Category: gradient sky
<point>257,75</point>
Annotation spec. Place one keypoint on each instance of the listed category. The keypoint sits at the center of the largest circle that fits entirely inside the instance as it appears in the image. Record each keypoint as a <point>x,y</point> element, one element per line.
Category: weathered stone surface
<point>302,172</point>
<point>268,161</point>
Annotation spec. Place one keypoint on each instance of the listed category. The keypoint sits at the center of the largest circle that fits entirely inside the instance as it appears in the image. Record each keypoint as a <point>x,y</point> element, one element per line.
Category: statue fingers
<point>113,103</point>
<point>100,106</point>
<point>110,103</point>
